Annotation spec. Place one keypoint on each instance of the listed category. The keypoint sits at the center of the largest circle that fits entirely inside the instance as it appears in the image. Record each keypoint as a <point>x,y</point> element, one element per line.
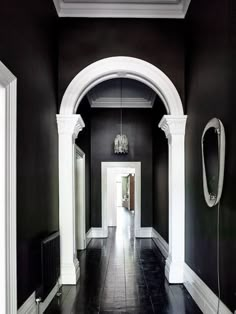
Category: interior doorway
<point>121,189</point>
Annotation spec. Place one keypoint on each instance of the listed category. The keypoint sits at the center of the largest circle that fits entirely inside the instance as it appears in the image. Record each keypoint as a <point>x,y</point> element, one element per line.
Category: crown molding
<point>118,9</point>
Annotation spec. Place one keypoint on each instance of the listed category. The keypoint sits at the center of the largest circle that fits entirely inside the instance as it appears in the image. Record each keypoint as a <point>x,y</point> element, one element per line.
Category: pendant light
<point>121,144</point>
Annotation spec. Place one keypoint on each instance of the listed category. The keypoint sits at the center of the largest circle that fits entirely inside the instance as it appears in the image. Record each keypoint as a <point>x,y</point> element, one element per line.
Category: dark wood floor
<point>122,274</point>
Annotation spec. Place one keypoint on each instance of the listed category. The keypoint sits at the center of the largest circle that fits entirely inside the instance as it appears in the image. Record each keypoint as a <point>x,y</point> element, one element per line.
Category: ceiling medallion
<point>121,143</point>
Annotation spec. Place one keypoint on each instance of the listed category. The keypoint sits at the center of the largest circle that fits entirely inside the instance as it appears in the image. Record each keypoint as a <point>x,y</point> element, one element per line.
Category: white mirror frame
<point>210,199</point>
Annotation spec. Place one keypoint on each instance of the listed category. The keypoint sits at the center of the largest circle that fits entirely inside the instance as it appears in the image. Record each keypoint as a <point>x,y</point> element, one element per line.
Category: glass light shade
<point>121,144</point>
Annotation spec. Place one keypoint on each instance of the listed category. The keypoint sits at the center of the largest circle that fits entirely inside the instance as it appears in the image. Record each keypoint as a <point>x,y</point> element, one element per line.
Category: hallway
<point>122,274</point>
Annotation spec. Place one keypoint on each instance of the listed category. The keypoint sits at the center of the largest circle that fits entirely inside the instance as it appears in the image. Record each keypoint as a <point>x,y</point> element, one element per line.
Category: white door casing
<point>8,275</point>
<point>174,126</point>
<point>80,199</point>
<point>109,172</point>
<point>68,128</point>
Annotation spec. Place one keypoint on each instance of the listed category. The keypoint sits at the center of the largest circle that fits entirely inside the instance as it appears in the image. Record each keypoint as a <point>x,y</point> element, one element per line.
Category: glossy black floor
<point>122,274</point>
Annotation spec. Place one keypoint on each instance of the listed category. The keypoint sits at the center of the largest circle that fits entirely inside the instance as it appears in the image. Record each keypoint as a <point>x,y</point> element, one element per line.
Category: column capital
<point>70,124</point>
<point>173,125</point>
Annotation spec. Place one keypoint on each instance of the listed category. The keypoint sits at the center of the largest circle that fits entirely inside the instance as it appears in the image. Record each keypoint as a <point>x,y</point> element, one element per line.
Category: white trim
<point>80,197</point>
<point>113,165</point>
<point>30,306</point>
<point>144,232</point>
<point>174,127</point>
<point>117,9</point>
<point>121,67</point>
<point>96,233</point>
<point>100,233</point>
<point>68,128</point>
<point>88,236</point>
<point>8,273</point>
<point>202,294</point>
<point>160,242</point>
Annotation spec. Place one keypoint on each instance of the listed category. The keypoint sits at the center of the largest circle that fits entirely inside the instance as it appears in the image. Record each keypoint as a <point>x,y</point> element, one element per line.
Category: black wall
<point>84,41</point>
<point>137,125</point>
<point>210,92</point>
<point>28,47</point>
<point>160,173</point>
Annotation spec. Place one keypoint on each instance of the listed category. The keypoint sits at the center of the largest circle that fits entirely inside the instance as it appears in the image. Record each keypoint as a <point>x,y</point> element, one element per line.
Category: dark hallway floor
<point>122,274</point>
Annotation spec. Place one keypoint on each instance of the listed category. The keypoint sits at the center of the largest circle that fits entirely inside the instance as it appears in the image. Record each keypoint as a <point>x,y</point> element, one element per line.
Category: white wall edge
<point>161,243</point>
<point>202,294</point>
<point>30,306</point>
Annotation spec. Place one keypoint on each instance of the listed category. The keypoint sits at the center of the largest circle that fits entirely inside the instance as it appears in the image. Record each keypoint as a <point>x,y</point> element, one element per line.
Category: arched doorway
<point>173,124</point>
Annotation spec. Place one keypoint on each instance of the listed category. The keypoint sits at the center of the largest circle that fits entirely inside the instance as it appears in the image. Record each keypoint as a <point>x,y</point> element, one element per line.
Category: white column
<point>68,128</point>
<point>174,128</point>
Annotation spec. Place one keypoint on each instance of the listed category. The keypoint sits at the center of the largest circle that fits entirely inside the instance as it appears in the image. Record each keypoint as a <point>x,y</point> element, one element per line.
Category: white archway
<point>173,124</point>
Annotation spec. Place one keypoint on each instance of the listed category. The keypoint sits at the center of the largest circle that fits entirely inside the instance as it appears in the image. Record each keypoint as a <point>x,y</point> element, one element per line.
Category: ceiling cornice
<point>117,9</point>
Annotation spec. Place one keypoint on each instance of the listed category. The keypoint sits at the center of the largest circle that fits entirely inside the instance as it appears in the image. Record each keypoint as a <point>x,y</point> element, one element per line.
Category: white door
<point>80,202</point>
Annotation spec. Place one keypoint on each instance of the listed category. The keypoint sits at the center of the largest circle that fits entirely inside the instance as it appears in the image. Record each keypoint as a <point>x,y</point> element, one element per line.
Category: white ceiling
<point>122,8</point>
<point>134,95</point>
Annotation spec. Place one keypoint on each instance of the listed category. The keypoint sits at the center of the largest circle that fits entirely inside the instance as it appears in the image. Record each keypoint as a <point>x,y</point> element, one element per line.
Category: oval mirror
<point>213,161</point>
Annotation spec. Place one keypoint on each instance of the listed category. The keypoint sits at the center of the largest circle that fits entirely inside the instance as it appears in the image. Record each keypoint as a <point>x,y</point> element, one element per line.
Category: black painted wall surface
<point>160,173</point>
<point>84,41</point>
<point>137,125</point>
<point>84,142</point>
<point>28,47</point>
<point>210,92</point>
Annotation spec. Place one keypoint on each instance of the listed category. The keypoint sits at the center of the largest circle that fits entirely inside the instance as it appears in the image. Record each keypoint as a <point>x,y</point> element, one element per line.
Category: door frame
<point>8,230</point>
<point>173,124</point>
<point>81,228</point>
<point>105,167</point>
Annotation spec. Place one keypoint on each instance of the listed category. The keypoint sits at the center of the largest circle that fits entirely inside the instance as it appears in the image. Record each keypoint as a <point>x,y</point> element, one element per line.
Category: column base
<point>70,273</point>
<point>174,271</point>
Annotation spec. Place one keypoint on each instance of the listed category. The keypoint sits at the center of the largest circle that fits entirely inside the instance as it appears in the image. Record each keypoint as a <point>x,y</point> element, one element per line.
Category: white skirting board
<point>204,297</point>
<point>96,233</point>
<point>160,242</point>
<point>202,294</point>
<point>30,307</point>
<point>144,232</point>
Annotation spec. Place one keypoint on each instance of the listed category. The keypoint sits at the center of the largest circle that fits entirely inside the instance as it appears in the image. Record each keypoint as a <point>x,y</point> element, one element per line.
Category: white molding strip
<point>202,294</point>
<point>143,232</point>
<point>97,233</point>
<point>30,306</point>
<point>88,236</point>
<point>160,242</point>
<point>8,125</point>
<point>117,9</point>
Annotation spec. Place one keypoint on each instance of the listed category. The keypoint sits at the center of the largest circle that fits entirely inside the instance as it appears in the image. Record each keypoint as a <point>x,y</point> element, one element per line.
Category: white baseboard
<point>97,233</point>
<point>88,236</point>
<point>202,294</point>
<point>30,307</point>
<point>143,232</point>
<point>160,242</point>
